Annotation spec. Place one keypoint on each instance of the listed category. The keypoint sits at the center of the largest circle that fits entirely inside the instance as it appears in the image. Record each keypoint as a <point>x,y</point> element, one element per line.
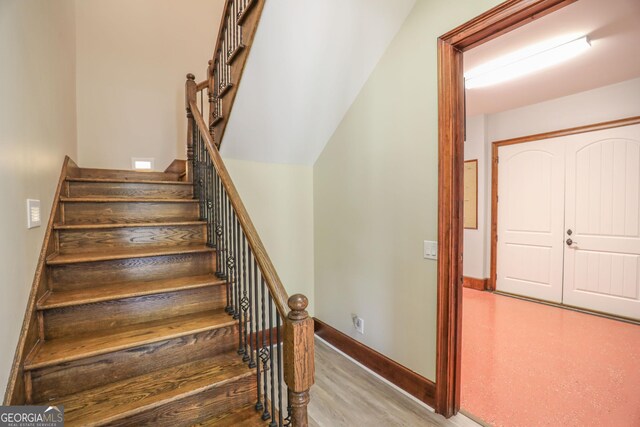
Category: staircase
<point>154,300</point>
<point>133,326</point>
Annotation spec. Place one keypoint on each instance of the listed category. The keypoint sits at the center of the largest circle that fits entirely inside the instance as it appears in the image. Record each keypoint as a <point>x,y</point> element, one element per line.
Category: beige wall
<point>37,129</point>
<point>375,197</point>
<point>279,199</point>
<point>133,56</point>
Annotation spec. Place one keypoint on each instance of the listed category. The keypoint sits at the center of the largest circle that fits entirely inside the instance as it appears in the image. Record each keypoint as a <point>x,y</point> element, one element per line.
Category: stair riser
<point>72,377</point>
<point>75,241</point>
<point>128,212</point>
<point>136,190</point>
<point>69,321</point>
<point>185,412</point>
<point>127,174</point>
<point>84,275</point>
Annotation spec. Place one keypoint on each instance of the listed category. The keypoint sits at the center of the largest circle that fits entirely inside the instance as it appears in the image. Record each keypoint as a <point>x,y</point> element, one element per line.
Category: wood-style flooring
<point>345,394</point>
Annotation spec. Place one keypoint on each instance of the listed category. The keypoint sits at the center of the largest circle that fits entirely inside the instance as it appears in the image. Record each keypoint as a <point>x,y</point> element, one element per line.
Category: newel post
<point>190,91</point>
<point>299,358</point>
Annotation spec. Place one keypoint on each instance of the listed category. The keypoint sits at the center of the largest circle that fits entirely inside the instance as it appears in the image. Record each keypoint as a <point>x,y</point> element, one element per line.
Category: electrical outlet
<point>430,250</point>
<point>358,323</point>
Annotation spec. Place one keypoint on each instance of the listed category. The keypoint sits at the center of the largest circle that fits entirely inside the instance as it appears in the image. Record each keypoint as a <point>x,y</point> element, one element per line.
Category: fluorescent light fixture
<point>526,61</point>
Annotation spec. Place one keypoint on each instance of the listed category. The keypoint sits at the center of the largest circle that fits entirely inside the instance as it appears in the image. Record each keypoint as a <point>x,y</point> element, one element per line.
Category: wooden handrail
<point>202,85</point>
<point>266,266</point>
<point>228,219</point>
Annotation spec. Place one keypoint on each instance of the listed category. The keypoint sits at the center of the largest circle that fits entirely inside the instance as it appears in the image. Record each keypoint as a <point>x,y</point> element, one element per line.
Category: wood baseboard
<point>416,385</point>
<point>473,283</point>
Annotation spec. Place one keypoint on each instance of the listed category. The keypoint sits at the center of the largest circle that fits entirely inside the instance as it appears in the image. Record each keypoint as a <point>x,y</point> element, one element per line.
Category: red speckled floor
<point>529,364</point>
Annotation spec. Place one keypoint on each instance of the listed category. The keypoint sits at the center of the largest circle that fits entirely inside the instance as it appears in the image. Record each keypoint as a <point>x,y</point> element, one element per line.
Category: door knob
<point>570,242</point>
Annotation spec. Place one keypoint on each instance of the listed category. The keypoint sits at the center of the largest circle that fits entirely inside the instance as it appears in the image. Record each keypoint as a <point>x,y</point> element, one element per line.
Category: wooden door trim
<point>503,18</point>
<point>524,139</point>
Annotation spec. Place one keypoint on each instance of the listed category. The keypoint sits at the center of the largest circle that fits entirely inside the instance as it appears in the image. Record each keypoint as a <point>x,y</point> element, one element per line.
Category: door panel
<point>530,219</point>
<point>602,266</point>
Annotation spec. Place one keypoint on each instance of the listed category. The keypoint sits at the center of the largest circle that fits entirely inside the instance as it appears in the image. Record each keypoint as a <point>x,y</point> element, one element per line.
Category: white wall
<point>37,129</point>
<point>308,62</point>
<point>375,196</point>
<point>474,240</point>
<point>279,199</point>
<point>133,56</point>
<point>598,105</point>
<point>603,104</point>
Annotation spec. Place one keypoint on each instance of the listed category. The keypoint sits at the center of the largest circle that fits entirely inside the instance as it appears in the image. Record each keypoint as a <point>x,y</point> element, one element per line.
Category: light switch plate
<point>430,250</point>
<point>33,213</point>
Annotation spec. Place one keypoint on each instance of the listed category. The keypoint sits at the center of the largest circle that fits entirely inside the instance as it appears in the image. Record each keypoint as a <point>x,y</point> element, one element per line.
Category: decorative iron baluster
<point>259,406</point>
<point>273,372</point>
<point>240,311</point>
<point>230,258</point>
<point>264,352</point>
<point>236,256</point>
<point>218,228</point>
<point>252,318</point>
<point>280,365</point>
<point>245,302</point>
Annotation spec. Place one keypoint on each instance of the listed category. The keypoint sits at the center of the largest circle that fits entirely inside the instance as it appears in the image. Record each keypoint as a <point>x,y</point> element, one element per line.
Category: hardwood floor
<point>345,394</point>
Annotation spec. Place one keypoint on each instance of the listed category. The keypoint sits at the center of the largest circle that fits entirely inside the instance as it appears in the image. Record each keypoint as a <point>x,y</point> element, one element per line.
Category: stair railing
<point>275,331</point>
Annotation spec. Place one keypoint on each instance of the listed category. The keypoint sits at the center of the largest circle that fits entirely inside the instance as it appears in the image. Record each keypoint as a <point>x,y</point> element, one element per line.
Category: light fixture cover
<point>526,61</point>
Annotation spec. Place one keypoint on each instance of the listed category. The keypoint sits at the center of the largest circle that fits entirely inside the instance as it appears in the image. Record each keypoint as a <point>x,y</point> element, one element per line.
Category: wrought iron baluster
<point>225,249</point>
<point>245,300</point>
<point>259,406</point>
<point>230,258</point>
<point>220,244</point>
<point>280,366</point>
<point>236,256</point>
<point>214,208</point>
<point>264,351</point>
<point>210,201</point>
<point>252,317</point>
<point>273,371</point>
<point>206,165</point>
<point>240,311</point>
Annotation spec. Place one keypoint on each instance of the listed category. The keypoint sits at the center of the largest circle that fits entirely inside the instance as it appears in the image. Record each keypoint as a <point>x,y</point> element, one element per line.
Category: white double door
<point>569,220</point>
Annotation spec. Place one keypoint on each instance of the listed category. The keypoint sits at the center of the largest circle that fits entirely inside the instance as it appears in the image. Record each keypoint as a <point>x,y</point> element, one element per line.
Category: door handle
<point>571,242</point>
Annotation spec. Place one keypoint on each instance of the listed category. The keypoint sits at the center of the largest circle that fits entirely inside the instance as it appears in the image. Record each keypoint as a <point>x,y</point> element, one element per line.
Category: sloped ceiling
<point>308,63</point>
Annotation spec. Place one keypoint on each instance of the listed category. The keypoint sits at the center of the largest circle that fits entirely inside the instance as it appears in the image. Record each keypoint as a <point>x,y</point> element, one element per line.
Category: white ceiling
<point>308,63</point>
<point>614,29</point>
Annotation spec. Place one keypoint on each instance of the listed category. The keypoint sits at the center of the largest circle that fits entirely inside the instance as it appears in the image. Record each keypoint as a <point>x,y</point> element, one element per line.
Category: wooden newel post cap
<point>191,77</point>
<point>298,304</point>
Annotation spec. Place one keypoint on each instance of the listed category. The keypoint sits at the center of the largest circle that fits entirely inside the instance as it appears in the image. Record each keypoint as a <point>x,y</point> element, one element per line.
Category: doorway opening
<point>495,24</point>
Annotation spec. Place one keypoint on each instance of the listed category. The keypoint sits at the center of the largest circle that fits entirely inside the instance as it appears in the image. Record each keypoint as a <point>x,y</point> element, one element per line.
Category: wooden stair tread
<point>245,416</point>
<point>127,181</point>
<point>126,225</point>
<point>57,351</point>
<point>125,398</point>
<point>125,290</point>
<point>125,253</point>
<point>123,200</point>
